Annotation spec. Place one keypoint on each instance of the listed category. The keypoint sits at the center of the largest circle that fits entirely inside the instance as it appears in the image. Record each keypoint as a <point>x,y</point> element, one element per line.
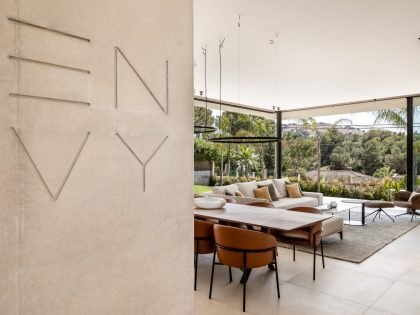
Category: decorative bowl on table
<point>209,203</point>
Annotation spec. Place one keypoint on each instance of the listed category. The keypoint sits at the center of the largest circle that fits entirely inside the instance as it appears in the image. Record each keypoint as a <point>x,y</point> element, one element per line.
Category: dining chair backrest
<point>204,235</point>
<point>313,229</point>
<point>233,244</point>
<point>261,204</point>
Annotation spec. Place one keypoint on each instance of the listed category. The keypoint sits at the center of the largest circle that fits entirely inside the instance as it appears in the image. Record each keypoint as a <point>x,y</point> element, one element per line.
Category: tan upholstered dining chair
<point>245,250</point>
<point>310,236</point>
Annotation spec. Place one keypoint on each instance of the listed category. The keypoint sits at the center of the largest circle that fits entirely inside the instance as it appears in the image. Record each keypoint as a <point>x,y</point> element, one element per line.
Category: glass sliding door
<point>416,141</point>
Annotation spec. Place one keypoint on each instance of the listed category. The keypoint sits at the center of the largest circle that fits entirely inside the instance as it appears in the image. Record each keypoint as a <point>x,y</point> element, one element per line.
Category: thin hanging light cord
<point>220,108</point>
<point>239,58</point>
<point>220,82</point>
<point>277,69</point>
<point>205,81</point>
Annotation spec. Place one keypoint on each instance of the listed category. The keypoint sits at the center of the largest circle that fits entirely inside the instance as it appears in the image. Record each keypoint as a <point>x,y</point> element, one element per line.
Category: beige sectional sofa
<point>308,199</point>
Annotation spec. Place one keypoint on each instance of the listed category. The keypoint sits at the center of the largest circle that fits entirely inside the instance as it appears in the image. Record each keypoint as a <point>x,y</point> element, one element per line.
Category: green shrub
<point>339,189</point>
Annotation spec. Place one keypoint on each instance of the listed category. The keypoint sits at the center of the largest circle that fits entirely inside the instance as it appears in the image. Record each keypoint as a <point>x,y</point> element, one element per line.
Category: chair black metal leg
<point>322,254</point>
<point>314,262</point>
<point>388,216</point>
<point>277,274</point>
<point>341,235</point>
<point>230,274</point>
<point>244,288</point>
<point>409,212</point>
<point>314,238</point>
<point>412,216</point>
<point>212,271</point>
<point>196,265</point>
<point>371,213</point>
<point>294,253</point>
<point>377,212</point>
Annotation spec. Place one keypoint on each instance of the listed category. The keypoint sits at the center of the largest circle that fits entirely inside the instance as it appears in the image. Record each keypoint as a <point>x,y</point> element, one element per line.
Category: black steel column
<point>410,149</point>
<point>278,144</point>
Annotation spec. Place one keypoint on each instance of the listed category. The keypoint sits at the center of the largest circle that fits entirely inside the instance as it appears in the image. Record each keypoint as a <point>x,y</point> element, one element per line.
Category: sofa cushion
<point>287,203</point>
<point>300,234</point>
<point>247,188</point>
<point>293,190</point>
<point>280,185</point>
<point>271,189</point>
<point>262,193</point>
<point>221,190</point>
<point>239,200</point>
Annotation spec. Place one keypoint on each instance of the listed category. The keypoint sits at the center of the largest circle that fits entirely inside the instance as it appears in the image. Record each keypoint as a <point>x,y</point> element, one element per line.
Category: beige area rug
<point>361,242</point>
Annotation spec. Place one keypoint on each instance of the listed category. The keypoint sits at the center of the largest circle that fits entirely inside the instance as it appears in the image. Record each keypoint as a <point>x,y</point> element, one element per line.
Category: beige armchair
<point>402,200</point>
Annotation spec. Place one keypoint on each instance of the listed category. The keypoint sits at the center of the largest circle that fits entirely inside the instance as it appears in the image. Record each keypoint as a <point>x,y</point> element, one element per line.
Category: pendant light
<point>233,139</point>
<point>204,128</point>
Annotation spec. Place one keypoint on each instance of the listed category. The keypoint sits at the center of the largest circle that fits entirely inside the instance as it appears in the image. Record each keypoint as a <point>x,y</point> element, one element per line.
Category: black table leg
<point>363,213</point>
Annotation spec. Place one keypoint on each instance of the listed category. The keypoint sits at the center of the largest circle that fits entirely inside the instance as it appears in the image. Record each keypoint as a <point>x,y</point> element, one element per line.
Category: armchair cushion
<point>402,195</point>
<point>412,196</point>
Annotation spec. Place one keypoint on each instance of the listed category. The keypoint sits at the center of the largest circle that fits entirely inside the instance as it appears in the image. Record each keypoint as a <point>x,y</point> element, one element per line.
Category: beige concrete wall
<point>83,235</point>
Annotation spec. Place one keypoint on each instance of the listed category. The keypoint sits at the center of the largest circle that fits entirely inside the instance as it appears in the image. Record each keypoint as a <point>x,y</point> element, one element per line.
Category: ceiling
<point>321,51</point>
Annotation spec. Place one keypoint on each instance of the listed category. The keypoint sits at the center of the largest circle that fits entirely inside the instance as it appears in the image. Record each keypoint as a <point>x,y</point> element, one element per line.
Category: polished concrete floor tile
<point>347,284</point>
<point>412,275</point>
<point>374,311</point>
<point>381,285</point>
<point>400,299</point>
<point>391,266</point>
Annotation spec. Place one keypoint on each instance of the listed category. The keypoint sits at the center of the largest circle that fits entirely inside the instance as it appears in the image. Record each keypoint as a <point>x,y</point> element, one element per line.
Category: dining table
<point>265,218</point>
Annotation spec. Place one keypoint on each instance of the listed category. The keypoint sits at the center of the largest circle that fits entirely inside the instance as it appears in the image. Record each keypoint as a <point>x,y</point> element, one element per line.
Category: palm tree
<point>397,116</point>
<point>246,159</point>
<point>311,124</point>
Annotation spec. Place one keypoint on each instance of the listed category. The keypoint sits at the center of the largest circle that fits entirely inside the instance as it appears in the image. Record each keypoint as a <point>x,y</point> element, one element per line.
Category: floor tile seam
<point>329,294</point>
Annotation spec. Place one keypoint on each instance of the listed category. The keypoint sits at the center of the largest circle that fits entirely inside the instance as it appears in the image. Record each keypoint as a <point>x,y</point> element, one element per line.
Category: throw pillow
<point>268,182</point>
<point>247,188</point>
<point>290,183</point>
<point>262,193</point>
<point>412,195</point>
<point>293,190</point>
<point>271,190</point>
<point>280,185</point>
<point>239,194</point>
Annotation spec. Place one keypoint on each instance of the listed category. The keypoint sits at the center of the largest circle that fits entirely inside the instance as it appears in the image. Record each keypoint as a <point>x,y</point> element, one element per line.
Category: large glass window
<point>357,154</point>
<point>416,142</point>
<point>241,162</point>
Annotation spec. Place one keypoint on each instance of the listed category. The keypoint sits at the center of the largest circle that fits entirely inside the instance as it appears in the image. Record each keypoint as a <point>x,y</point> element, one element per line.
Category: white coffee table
<point>346,205</point>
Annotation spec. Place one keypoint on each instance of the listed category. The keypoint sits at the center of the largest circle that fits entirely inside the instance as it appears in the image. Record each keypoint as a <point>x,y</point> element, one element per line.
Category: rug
<point>361,242</point>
